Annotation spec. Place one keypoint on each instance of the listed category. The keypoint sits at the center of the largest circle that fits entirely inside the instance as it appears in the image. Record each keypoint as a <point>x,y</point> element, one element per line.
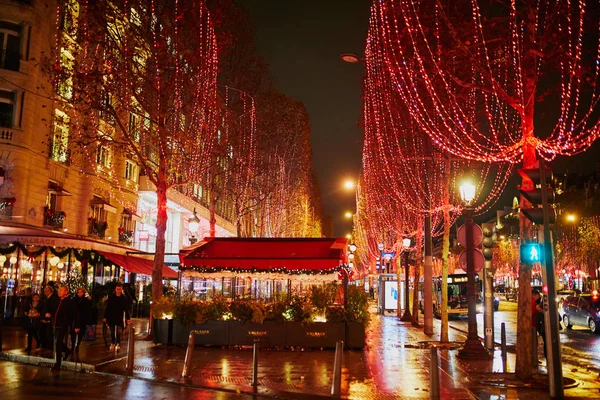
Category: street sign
<point>462,235</point>
<point>478,260</point>
<point>531,253</point>
<point>388,255</point>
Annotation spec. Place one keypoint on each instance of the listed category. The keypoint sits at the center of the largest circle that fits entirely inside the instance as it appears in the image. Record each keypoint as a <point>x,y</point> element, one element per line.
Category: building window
<point>198,191</point>
<point>65,85</point>
<point>131,171</point>
<point>7,108</point>
<point>134,127</point>
<point>103,155</point>
<point>60,141</point>
<point>10,46</point>
<point>70,18</point>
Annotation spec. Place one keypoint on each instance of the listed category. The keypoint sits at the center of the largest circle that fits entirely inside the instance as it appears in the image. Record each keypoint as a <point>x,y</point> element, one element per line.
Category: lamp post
<point>406,316</point>
<point>346,272</point>
<point>473,348</point>
<point>193,224</point>
<point>380,247</point>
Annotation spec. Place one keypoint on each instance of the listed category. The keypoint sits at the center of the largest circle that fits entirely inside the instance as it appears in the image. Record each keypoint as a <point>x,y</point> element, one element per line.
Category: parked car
<point>561,295</point>
<point>583,310</point>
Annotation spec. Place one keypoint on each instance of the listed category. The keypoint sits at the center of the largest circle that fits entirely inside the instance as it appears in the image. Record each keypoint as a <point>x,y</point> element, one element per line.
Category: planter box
<point>355,335</point>
<point>213,333</point>
<point>271,334</point>
<point>317,334</point>
<point>162,330</point>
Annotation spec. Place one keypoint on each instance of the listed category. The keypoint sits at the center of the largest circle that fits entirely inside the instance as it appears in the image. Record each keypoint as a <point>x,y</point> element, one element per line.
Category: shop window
<point>134,127</point>
<point>10,46</point>
<point>60,141</point>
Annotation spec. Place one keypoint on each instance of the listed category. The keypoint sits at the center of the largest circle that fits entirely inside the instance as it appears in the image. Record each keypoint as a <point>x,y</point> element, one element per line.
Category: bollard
<point>187,365</point>
<point>1,327</point>
<point>336,385</point>
<point>434,381</point>
<point>503,345</point>
<point>255,364</point>
<point>534,348</point>
<point>150,327</point>
<point>130,350</point>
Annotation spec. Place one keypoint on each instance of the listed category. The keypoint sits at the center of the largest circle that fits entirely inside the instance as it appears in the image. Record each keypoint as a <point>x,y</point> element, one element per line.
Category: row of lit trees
<point>141,79</point>
<point>495,83</point>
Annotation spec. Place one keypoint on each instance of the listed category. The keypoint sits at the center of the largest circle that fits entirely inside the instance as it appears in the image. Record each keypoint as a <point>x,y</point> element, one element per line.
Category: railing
<point>6,134</point>
<point>6,211</point>
<point>126,237</point>
<point>97,228</point>
<point>10,60</point>
<point>54,219</point>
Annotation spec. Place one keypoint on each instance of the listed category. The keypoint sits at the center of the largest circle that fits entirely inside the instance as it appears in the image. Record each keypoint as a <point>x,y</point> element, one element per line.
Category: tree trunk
<point>445,254</point>
<point>212,230</point>
<point>418,264</point>
<point>161,228</point>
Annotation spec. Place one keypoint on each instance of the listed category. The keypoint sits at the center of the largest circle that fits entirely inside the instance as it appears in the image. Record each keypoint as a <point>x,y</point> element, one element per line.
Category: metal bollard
<point>434,379</point>
<point>130,350</point>
<point>187,365</point>
<point>503,345</point>
<point>534,347</point>
<point>336,385</point>
<point>255,363</point>
<point>1,327</point>
<point>150,320</point>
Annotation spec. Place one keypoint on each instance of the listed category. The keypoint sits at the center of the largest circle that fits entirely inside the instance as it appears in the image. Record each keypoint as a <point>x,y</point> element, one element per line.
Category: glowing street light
<point>349,184</point>
<point>348,214</point>
<point>571,217</point>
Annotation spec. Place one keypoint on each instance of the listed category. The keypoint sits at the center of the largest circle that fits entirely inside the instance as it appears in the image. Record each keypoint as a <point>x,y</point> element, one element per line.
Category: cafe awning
<point>297,255</point>
<point>136,264</point>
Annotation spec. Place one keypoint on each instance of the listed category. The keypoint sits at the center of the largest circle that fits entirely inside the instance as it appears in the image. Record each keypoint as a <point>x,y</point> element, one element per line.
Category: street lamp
<point>348,214</point>
<point>473,348</point>
<point>380,247</point>
<point>193,224</point>
<point>346,272</point>
<point>406,247</point>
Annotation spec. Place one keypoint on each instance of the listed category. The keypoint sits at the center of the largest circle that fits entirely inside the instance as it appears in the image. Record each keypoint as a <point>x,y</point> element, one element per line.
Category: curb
<point>48,362</point>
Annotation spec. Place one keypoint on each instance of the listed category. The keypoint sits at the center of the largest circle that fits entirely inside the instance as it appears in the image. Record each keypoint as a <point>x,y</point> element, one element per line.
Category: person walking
<point>117,311</point>
<point>33,312</point>
<point>64,317</point>
<point>83,303</point>
<point>50,302</point>
<point>537,316</point>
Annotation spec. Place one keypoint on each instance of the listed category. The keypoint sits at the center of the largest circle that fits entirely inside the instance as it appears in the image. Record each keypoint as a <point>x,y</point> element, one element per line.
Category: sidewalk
<point>395,364</point>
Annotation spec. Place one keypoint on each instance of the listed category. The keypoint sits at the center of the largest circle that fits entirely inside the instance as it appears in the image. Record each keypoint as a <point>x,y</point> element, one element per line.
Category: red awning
<point>266,253</point>
<point>136,264</point>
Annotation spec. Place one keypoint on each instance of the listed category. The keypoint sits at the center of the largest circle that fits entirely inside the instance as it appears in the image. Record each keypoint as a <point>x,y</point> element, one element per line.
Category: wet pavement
<point>395,364</point>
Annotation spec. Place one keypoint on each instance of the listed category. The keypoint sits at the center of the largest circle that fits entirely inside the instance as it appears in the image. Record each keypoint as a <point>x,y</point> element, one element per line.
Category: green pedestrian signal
<point>531,253</point>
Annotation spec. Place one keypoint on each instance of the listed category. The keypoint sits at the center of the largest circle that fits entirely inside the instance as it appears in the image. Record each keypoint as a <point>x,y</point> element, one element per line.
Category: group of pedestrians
<point>51,320</point>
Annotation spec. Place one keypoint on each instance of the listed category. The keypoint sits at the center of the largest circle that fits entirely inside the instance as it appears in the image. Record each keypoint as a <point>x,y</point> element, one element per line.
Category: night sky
<point>302,42</point>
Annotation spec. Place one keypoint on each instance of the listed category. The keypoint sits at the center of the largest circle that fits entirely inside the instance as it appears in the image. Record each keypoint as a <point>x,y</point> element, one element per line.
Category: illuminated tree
<point>530,68</point>
<point>141,81</point>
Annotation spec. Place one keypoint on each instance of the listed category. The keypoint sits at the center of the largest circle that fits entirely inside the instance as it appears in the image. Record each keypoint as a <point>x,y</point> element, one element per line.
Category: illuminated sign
<point>315,334</point>
<point>257,333</point>
<point>391,295</point>
<point>530,253</point>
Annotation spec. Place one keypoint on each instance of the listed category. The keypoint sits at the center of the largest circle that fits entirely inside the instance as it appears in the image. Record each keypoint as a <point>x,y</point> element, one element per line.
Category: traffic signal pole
<point>553,351</point>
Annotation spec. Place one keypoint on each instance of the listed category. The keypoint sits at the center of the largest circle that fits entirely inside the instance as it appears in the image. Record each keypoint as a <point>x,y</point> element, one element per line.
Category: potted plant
<point>162,313</point>
<point>357,317</point>
<point>249,322</point>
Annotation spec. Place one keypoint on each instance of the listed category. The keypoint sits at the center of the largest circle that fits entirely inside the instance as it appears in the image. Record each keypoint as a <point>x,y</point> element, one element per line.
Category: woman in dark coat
<point>33,312</point>
<point>84,310</point>
<point>117,311</point>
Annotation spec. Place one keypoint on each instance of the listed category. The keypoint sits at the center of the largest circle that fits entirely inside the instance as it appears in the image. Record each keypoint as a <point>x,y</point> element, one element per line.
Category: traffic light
<point>536,214</point>
<point>531,253</point>
<point>488,240</point>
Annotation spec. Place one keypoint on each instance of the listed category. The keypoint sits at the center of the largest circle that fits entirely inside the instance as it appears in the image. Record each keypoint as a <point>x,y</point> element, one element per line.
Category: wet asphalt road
<point>31,382</point>
<point>580,346</point>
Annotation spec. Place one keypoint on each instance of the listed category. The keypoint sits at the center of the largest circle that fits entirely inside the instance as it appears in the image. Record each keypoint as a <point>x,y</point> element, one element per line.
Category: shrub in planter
<point>248,311</point>
<point>276,311</point>
<point>163,307</point>
<point>358,306</point>
<point>186,312</point>
<point>335,314</point>
<point>299,309</point>
<point>218,307</point>
<point>323,295</point>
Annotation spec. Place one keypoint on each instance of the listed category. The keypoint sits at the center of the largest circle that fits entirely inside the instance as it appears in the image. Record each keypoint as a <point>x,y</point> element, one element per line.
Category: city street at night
<point>300,199</point>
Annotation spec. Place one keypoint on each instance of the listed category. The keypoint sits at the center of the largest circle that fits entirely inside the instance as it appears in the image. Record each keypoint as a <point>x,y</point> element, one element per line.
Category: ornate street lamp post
<point>473,348</point>
<point>380,247</point>
<point>406,316</point>
<point>193,224</point>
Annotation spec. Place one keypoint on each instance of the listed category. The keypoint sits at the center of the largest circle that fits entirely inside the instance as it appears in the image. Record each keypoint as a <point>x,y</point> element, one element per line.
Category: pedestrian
<point>64,317</point>
<point>83,303</point>
<point>117,311</point>
<point>537,316</point>
<point>33,312</point>
<point>50,302</point>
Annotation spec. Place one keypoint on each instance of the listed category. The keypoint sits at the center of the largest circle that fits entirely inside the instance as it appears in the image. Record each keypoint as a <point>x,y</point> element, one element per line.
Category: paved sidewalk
<point>395,364</point>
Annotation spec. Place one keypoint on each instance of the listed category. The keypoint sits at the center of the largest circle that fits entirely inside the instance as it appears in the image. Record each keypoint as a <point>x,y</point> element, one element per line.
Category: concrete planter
<point>212,333</point>
<point>316,335</point>
<point>162,330</point>
<point>270,333</point>
<point>355,335</point>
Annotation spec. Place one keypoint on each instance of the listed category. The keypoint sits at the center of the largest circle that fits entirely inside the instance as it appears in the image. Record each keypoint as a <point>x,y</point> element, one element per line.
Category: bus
<point>457,295</point>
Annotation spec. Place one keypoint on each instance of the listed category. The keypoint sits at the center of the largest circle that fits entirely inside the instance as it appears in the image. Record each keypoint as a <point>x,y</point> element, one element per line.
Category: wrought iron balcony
<point>54,219</point>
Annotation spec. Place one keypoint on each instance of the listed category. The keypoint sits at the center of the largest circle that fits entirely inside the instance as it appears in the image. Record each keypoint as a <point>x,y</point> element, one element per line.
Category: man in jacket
<point>64,316</point>
<point>51,301</point>
<point>117,311</point>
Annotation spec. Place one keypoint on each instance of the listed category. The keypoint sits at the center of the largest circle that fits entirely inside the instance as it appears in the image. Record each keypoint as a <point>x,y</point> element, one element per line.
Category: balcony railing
<point>126,237</point>
<point>54,219</point>
<point>97,228</point>
<point>10,60</point>
<point>6,208</point>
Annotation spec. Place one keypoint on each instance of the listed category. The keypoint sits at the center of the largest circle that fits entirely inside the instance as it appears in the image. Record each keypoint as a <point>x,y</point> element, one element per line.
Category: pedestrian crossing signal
<point>531,253</point>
